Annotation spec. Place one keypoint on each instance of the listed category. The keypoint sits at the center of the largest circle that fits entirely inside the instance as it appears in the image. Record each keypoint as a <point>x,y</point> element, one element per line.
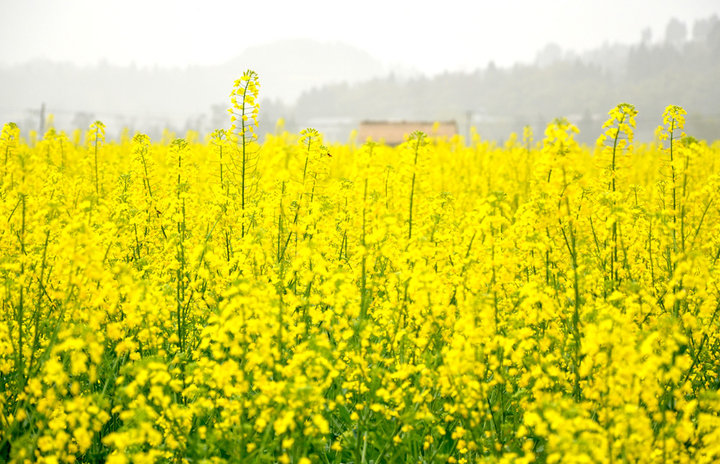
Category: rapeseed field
<point>443,301</point>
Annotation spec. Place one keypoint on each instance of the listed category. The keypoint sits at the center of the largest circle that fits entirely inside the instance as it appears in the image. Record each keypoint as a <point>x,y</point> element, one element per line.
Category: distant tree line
<point>651,75</point>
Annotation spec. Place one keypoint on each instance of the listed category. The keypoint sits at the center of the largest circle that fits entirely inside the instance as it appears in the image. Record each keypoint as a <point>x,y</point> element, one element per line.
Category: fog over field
<point>496,66</point>
<point>371,232</point>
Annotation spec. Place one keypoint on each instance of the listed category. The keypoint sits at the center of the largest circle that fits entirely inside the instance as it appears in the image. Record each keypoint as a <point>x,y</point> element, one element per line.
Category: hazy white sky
<point>429,36</point>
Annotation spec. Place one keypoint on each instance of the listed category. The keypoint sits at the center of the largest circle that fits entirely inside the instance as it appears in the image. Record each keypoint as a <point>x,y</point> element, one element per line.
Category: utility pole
<point>41,126</point>
<point>468,122</point>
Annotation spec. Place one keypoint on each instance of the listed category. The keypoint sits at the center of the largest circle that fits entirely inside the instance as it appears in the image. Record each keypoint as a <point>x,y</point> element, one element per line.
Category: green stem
<point>363,281</point>
<point>614,253</point>
<point>412,187</point>
<point>97,181</point>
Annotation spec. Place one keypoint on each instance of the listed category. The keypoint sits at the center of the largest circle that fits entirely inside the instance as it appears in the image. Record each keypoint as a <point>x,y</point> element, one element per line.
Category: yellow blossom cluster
<point>442,301</point>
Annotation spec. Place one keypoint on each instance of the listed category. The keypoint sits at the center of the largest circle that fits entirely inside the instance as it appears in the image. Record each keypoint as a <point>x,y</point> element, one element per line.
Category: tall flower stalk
<point>244,121</point>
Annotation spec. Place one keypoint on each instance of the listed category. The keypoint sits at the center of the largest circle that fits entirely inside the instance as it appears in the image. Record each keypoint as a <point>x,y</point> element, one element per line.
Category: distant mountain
<point>141,97</point>
<point>289,67</point>
<point>332,86</point>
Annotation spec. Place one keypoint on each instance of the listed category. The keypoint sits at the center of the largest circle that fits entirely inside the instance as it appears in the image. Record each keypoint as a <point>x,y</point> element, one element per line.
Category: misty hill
<point>333,86</point>
<point>582,87</point>
<point>289,67</point>
<point>140,97</point>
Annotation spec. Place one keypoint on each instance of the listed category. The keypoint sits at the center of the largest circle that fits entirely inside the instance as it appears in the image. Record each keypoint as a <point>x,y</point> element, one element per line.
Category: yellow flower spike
<point>673,120</point>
